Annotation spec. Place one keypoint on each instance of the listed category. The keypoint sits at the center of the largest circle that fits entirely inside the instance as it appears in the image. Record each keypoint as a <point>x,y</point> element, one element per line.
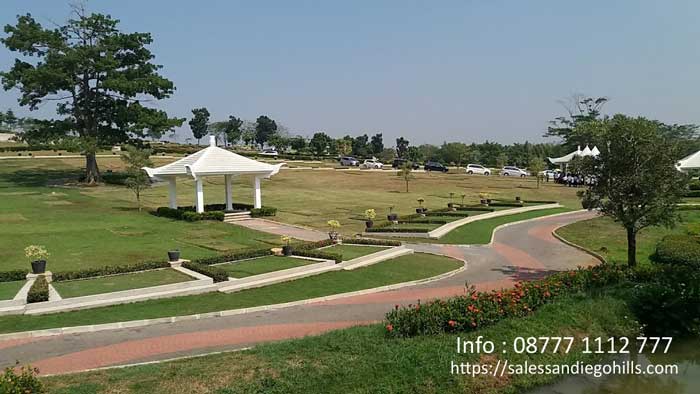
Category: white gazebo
<point>689,162</point>
<point>213,161</point>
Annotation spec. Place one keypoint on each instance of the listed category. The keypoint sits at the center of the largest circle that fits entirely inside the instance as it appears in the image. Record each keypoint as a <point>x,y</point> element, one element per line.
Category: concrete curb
<point>579,247</point>
<point>231,312</point>
<point>504,225</point>
<point>376,257</point>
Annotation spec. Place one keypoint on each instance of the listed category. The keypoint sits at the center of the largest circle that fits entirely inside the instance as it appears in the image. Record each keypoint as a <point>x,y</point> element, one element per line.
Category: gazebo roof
<point>577,153</point>
<point>213,161</point>
<point>689,162</point>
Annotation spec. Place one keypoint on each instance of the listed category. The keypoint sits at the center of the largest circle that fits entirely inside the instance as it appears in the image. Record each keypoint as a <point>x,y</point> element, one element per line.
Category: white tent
<point>212,161</point>
<point>689,162</point>
<point>577,153</point>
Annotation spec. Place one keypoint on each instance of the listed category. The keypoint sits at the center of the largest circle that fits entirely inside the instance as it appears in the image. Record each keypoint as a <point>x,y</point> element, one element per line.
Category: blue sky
<point>430,71</point>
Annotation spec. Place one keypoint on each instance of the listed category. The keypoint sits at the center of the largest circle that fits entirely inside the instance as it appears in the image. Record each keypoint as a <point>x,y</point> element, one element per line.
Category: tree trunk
<point>92,172</point>
<point>406,186</point>
<point>631,247</point>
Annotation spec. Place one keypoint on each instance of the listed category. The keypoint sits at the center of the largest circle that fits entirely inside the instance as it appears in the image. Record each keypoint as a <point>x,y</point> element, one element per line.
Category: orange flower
<point>389,327</point>
<point>452,323</point>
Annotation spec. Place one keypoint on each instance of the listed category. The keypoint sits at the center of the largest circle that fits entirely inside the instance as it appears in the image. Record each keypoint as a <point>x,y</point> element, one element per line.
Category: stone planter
<point>173,255</point>
<point>287,250</point>
<point>38,266</point>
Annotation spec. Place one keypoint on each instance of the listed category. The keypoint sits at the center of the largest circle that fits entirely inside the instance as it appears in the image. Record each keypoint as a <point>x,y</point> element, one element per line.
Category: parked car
<point>477,169</point>
<point>514,171</point>
<point>372,163</point>
<point>548,174</point>
<point>268,152</point>
<point>398,163</point>
<point>434,166</point>
<point>349,161</point>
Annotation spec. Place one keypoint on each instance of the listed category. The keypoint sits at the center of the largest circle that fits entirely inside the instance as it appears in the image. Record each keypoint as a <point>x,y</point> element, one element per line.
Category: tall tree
<point>360,145</point>
<point>199,124</point>
<point>264,129</point>
<point>319,143</point>
<point>344,145</point>
<point>98,76</point>
<point>580,109</point>
<point>376,144</point>
<point>230,129</point>
<point>298,143</point>
<point>401,147</point>
<point>137,180</point>
<point>637,183</point>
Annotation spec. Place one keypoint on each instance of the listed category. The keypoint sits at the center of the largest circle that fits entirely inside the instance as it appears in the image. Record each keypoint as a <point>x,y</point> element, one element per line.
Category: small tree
<point>536,166</point>
<point>406,173</point>
<point>137,180</point>
<point>265,128</point>
<point>636,182</point>
<point>199,123</point>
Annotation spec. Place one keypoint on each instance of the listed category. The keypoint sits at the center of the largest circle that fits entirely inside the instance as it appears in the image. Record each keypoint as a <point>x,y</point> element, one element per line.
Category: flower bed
<point>478,309</point>
<point>398,230</point>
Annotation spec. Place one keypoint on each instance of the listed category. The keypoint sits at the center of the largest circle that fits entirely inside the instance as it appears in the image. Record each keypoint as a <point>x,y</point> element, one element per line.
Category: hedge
<point>11,276</point>
<point>678,249</point>
<point>233,256</point>
<point>181,214</point>
<point>314,245</point>
<point>397,230</point>
<point>505,204</point>
<point>450,214</point>
<point>692,193</point>
<point>368,241</point>
<point>540,201</point>
<point>109,270</point>
<point>264,211</point>
<point>691,207</point>
<point>694,185</point>
<point>39,292</point>
<point>319,254</point>
<point>216,273</point>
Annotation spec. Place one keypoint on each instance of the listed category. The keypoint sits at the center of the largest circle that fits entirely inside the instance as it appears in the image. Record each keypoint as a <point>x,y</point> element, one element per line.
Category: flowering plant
<point>334,224</point>
<point>36,252</point>
<point>286,239</point>
<point>370,214</point>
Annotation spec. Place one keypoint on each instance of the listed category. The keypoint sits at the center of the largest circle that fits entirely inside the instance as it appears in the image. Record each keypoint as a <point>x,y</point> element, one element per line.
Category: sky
<point>438,71</point>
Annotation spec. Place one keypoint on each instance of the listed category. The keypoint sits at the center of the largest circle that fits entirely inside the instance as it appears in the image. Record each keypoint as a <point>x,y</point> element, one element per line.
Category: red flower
<point>396,306</point>
<point>546,294</point>
<point>475,297</point>
<point>452,323</point>
<point>473,323</point>
<point>389,327</point>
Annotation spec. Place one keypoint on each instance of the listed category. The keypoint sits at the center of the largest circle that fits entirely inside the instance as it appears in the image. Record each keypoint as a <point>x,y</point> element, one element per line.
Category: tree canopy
<point>265,128</point>
<point>199,124</point>
<point>99,78</point>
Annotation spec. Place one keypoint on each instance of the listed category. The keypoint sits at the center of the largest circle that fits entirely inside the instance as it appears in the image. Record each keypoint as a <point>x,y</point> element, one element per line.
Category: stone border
<point>230,312</point>
<point>504,225</point>
<point>579,247</point>
<point>376,257</point>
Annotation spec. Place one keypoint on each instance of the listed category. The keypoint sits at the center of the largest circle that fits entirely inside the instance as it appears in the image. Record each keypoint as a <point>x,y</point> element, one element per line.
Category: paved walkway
<point>272,227</point>
<point>519,252</point>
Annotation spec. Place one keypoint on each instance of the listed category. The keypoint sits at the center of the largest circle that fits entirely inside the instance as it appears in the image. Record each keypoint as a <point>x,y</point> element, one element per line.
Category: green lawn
<point>479,232</point>
<point>364,360</point>
<point>350,252</point>
<point>401,269</point>
<point>262,265</point>
<point>90,227</point>
<point>8,290</point>
<point>604,236</point>
<point>107,284</point>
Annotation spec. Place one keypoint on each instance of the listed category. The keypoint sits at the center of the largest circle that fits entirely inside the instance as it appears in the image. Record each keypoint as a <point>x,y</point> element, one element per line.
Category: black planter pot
<point>173,255</point>
<point>517,198</point>
<point>483,202</point>
<point>287,250</point>
<point>419,210</point>
<point>488,201</point>
<point>369,223</point>
<point>38,266</point>
<point>450,205</point>
<point>392,217</point>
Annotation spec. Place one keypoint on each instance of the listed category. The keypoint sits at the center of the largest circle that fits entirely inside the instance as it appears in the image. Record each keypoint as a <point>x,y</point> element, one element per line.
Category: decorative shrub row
<point>10,276</point>
<point>216,273</point>
<point>233,256</point>
<point>478,309</point>
<point>678,249</point>
<point>456,214</point>
<point>396,230</point>
<point>109,270</point>
<point>181,214</point>
<point>540,201</point>
<point>688,207</point>
<point>506,204</point>
<point>694,185</point>
<point>39,292</point>
<point>318,254</point>
<point>477,208</point>
<point>692,193</point>
<point>314,245</point>
<point>367,241</point>
<point>263,211</point>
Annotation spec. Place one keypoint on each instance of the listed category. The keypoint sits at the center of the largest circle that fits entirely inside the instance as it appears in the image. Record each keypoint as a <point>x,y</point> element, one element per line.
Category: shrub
<point>216,273</point>
<point>24,381</point>
<point>478,309</point>
<point>10,276</point>
<point>396,230</point>
<point>109,270</point>
<point>368,241</point>
<point>692,193</point>
<point>505,204</point>
<point>115,178</point>
<point>691,207</point>
<point>456,214</point>
<point>540,201</point>
<point>187,215</point>
<point>233,256</point>
<point>694,185</point>
<point>314,245</point>
<point>678,249</point>
<point>264,211</point>
<point>39,292</point>
<point>318,254</point>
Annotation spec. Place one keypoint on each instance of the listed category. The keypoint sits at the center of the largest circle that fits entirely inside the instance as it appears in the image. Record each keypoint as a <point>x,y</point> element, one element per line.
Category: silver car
<point>514,171</point>
<point>349,161</point>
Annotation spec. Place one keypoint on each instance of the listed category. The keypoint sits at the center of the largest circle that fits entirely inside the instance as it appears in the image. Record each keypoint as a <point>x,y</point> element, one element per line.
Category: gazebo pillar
<point>199,195</point>
<point>229,197</point>
<point>172,192</point>
<point>258,195</point>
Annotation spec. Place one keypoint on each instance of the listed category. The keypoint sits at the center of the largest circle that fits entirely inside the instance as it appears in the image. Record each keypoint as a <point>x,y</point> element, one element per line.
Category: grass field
<point>604,236</point>
<point>398,270</point>
<point>479,232</point>
<point>350,252</point>
<point>262,265</point>
<point>137,280</point>
<point>364,360</point>
<point>8,290</point>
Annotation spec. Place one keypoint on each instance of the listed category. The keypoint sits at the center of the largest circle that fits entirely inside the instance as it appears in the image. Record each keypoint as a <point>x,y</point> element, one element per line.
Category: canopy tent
<point>577,153</point>
<point>689,162</point>
<point>213,161</point>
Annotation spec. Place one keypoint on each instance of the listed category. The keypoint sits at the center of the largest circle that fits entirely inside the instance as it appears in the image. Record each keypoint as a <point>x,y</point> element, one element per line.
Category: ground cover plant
<point>261,265</point>
<point>349,252</point>
<point>106,284</point>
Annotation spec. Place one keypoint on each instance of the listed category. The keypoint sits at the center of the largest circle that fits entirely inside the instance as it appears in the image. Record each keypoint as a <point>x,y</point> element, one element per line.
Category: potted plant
<point>174,255</point>
<point>38,255</point>
<point>334,226</point>
<point>287,248</point>
<point>420,208</point>
<point>517,198</point>
<point>392,217</point>
<point>370,214</point>
<point>483,198</point>
<point>450,204</point>
<point>463,195</point>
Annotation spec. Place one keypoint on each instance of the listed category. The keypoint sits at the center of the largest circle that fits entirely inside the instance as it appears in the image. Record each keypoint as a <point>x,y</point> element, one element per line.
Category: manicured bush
<point>692,193</point>
<point>678,249</point>
<point>21,381</point>
<point>216,273</point>
<point>426,220</point>
<point>115,178</point>
<point>11,276</point>
<point>479,309</point>
<point>396,230</point>
<point>264,211</point>
<point>187,215</point>
<point>318,254</point>
<point>477,208</point>
<point>455,214</point>
<point>109,270</point>
<point>692,207</point>
<point>540,201</point>
<point>233,256</point>
<point>369,241</point>
<point>314,245</point>
<point>39,292</point>
<point>505,204</point>
<point>694,185</point>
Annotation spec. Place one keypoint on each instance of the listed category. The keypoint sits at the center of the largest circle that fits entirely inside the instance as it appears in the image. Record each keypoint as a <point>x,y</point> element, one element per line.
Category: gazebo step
<point>236,216</point>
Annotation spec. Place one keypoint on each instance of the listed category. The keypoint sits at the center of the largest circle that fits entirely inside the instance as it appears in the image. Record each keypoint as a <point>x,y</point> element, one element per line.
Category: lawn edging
<point>577,246</point>
<point>231,312</point>
<point>504,225</point>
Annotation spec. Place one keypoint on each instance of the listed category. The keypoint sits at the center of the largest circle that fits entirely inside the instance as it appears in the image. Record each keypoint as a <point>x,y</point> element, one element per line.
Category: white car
<point>372,163</point>
<point>477,169</point>
<point>514,171</point>
<point>548,174</point>
<point>268,152</point>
